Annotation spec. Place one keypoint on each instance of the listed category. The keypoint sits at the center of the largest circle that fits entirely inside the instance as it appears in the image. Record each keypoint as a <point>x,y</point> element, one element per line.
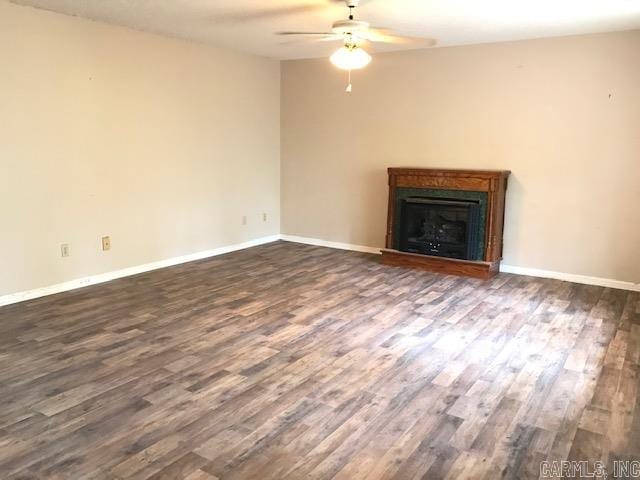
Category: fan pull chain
<point>349,87</point>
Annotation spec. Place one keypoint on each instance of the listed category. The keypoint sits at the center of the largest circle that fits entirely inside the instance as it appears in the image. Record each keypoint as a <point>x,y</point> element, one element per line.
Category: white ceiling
<point>249,25</point>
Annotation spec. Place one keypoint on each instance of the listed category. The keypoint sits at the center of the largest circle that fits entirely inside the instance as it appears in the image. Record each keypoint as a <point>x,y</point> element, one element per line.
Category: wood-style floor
<point>292,362</point>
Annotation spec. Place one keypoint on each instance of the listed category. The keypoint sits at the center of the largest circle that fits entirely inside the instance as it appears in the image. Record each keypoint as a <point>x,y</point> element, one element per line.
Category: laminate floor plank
<point>288,361</point>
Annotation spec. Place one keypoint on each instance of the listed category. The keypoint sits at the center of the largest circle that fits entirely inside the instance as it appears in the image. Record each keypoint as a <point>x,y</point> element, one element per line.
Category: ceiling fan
<point>354,34</point>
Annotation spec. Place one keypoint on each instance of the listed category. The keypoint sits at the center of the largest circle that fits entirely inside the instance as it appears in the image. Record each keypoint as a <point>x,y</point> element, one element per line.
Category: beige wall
<point>164,145</point>
<point>562,114</point>
<point>160,143</point>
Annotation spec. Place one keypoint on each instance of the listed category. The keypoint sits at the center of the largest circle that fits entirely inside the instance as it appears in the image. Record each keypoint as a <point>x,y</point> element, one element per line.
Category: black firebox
<point>443,227</point>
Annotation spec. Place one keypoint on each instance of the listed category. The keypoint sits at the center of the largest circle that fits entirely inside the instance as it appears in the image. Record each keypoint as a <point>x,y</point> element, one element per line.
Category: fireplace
<point>447,221</point>
<point>443,227</point>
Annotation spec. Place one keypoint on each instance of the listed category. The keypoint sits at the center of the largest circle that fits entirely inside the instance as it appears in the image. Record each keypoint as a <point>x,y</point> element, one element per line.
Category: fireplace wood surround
<point>439,242</point>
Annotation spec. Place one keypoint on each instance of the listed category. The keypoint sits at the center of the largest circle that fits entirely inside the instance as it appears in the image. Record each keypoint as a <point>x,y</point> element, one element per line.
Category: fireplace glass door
<point>441,227</point>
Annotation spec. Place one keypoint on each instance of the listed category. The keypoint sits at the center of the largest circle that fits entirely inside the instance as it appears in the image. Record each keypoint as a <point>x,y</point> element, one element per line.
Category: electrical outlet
<point>64,250</point>
<point>106,243</point>
<point>264,217</point>
<point>244,219</point>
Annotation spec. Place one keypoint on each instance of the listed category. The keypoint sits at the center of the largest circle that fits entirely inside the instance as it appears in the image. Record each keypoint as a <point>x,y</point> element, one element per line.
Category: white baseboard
<point>326,243</point>
<point>126,272</point>
<point>571,277</point>
<point>105,277</point>
<point>532,272</point>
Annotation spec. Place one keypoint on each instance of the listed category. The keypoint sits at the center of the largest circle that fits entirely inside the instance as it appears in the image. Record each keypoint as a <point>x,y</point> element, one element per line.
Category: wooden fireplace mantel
<point>493,182</point>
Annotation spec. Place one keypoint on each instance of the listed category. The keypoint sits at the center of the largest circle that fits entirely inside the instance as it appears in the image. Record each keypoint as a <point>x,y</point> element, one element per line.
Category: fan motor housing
<point>349,26</point>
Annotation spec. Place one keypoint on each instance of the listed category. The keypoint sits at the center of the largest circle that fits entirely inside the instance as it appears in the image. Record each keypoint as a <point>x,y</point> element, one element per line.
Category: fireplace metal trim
<point>402,193</point>
<point>434,241</point>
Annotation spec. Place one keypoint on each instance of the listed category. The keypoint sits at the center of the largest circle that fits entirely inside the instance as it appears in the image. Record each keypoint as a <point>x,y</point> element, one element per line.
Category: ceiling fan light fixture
<point>350,57</point>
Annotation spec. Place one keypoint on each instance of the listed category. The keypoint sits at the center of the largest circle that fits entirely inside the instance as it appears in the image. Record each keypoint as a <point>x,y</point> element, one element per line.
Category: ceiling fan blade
<point>385,35</point>
<point>310,39</point>
<point>309,34</point>
<point>296,37</point>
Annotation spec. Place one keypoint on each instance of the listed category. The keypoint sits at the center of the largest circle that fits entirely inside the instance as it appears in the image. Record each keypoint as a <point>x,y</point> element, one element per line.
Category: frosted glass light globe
<point>350,58</point>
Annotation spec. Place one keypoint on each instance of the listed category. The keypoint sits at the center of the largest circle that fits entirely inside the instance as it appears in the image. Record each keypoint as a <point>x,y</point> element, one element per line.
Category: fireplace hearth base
<point>449,266</point>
